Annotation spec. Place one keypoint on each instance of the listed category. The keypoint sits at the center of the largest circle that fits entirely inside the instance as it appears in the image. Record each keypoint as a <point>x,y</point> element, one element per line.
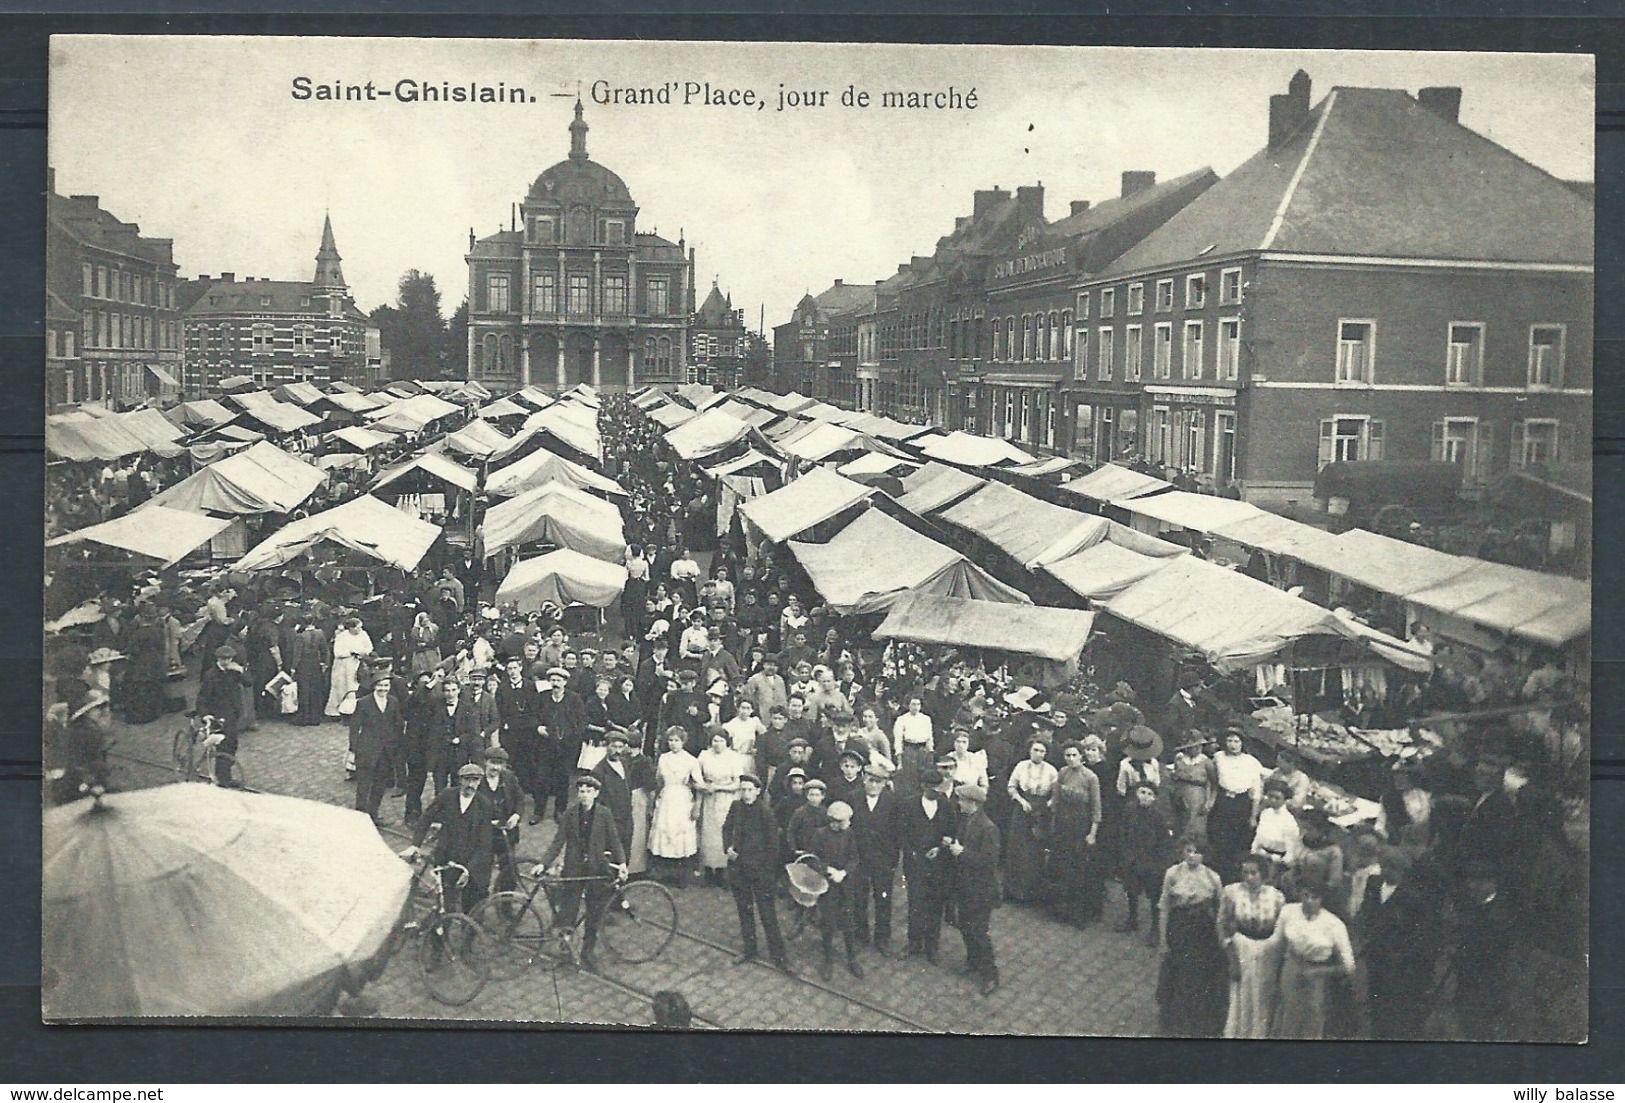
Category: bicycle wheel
<point>639,921</point>
<point>454,958</point>
<point>520,930</point>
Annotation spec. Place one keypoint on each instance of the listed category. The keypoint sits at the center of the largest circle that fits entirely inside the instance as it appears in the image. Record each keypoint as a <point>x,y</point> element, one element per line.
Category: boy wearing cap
<point>1145,837</point>
<point>750,834</point>
<point>806,820</point>
<point>591,848</point>
<point>975,851</point>
<point>847,784</point>
<point>465,816</point>
<point>837,854</point>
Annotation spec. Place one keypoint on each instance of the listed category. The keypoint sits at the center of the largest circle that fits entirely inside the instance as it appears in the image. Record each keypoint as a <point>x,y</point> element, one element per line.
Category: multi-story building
<point>113,329</point>
<point>277,331</point>
<point>574,292</point>
<point>718,342</point>
<point>1030,310</point>
<point>1377,282</point>
<point>803,355</point>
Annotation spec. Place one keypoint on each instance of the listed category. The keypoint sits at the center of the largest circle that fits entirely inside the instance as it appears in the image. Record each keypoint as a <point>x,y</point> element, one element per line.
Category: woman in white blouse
<point>1235,807</point>
<point>1315,950</point>
<point>913,748</point>
<point>1032,788</point>
<point>970,767</point>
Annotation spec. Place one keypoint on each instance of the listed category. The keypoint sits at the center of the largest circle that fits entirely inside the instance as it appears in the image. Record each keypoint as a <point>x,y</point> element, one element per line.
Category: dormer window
<point>614,232</point>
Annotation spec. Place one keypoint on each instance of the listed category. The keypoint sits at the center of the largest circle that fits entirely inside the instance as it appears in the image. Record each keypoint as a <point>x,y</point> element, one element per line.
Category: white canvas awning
<point>362,524</point>
<point>557,514</point>
<point>817,496</point>
<point>710,432</point>
<point>564,577</point>
<point>1111,483</point>
<point>1058,635</point>
<point>433,464</point>
<point>166,535</point>
<point>542,467</point>
<point>260,479</point>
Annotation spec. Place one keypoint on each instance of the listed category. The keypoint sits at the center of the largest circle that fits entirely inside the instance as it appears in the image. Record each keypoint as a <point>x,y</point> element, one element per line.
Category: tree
<point>413,329</point>
<point>457,343</point>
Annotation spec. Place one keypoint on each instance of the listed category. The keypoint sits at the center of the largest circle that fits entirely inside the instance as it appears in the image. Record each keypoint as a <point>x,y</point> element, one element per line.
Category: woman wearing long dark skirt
<point>1076,889</point>
<point>1193,985</point>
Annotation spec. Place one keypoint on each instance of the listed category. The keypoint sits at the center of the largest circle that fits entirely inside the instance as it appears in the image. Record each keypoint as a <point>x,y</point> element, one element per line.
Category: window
<point>1464,354</point>
<point>1464,441</point>
<point>1224,445</point>
<point>1229,365</point>
<point>1136,298</point>
<point>264,339</point>
<point>1108,301</point>
<point>580,296</point>
<point>1041,342</point>
<point>1066,336</point>
<point>335,343</point>
<point>1195,291</point>
<point>544,293</point>
<point>265,300</point>
<point>1054,345</point>
<point>1165,296</point>
<point>1348,439</point>
<point>1546,356</point>
<point>998,339</point>
<point>1083,306</point>
<point>1025,348</point>
<point>1104,362</point>
<point>1162,351</point>
<point>1026,407</point>
<point>614,232</point>
<point>657,295</point>
<point>542,230</point>
<point>88,273</point>
<point>1128,432</point>
<point>104,325</point>
<point>263,373</point>
<point>1133,353</point>
<point>101,282</point>
<point>496,294</point>
<point>615,293</point>
<point>1009,413</point>
<point>67,344</point>
<point>1354,344</point>
<point>304,340</point>
<point>1230,286</point>
<point>1080,359</point>
<point>1534,442</point>
<point>1157,428</point>
<point>1193,350</point>
<point>1083,431</point>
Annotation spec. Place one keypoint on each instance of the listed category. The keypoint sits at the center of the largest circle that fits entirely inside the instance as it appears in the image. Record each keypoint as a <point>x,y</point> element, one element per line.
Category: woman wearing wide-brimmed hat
<point>1142,749</point>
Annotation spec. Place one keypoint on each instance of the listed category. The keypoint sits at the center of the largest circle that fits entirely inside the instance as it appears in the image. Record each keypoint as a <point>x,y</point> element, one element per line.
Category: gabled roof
<point>363,524</point>
<point>259,297</point>
<point>1108,212</point>
<point>1374,173</point>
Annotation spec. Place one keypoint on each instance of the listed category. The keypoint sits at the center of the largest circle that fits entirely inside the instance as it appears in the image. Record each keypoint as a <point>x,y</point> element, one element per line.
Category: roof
<point>352,401</point>
<point>479,439</point>
<point>844,298</point>
<point>204,412</point>
<point>106,438</point>
<point>1273,533</point>
<point>1374,173</point>
<point>279,417</point>
<point>1109,212</point>
<point>1184,509</point>
<point>362,524</point>
<point>82,217</point>
<point>716,310</point>
<point>750,457</point>
<point>430,463</point>
<point>302,394</point>
<point>1383,563</point>
<point>1545,608</point>
<point>364,440</point>
<point>796,507</point>
<point>972,450</point>
<point>541,467</point>
<point>1104,569</point>
<point>556,514</point>
<point>167,535</point>
<point>259,297</point>
<point>565,423</point>
<point>503,407</point>
<point>875,560</point>
<point>1030,530</point>
<point>1111,483</point>
<point>260,479</point>
<point>563,578</point>
<point>823,441</point>
<point>671,415</point>
<point>1233,621</point>
<point>791,402</point>
<point>709,432</point>
<point>936,485</point>
<point>875,463</point>
<point>1055,634</point>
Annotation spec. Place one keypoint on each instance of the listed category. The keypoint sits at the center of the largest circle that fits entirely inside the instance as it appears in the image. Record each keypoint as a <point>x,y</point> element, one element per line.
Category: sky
<point>202,140</point>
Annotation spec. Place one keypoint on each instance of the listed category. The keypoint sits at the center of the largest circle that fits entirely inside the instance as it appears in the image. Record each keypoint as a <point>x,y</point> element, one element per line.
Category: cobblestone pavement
<point>1056,979</point>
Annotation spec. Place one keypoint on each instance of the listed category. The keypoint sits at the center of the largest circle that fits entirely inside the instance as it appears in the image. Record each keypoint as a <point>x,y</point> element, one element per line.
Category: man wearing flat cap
<point>591,847</point>
<point>465,816</point>
<point>927,823</point>
<point>975,852</point>
<point>563,726</point>
<point>875,826</point>
<point>837,854</point>
<point>750,835</point>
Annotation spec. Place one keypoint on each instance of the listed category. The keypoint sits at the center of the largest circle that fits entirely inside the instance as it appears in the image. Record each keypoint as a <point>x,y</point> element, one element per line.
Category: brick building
<point>719,342</point>
<point>113,329</point>
<point>1377,282</point>
<point>277,331</point>
<point>804,356</point>
<point>574,292</point>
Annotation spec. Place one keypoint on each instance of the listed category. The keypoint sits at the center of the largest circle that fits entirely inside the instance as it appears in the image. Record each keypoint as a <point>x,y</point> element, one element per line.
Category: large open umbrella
<point>189,900</point>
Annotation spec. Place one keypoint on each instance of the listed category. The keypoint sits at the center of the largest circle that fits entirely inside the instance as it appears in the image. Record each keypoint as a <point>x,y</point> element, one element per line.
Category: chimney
<point>1443,102</point>
<point>228,277</point>
<point>50,179</point>
<point>837,283</point>
<point>986,200</point>
<point>959,223</point>
<point>1288,113</point>
<point>1079,206</point>
<point>1031,200</point>
<point>1136,180</point>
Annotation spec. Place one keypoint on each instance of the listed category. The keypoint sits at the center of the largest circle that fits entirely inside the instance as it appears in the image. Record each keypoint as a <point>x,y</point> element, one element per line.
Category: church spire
<point>578,135</point>
<point>329,274</point>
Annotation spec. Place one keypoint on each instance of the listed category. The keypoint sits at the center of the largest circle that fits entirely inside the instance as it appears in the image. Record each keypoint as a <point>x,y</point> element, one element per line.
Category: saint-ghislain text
<point>407,90</point>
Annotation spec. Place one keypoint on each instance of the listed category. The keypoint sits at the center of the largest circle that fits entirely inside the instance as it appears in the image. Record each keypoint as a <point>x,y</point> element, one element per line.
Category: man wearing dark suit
<point>377,733</point>
<point>456,732</point>
<point>519,705</point>
<point>925,821</point>
<point>750,836</point>
<point>418,747</point>
<point>509,801</point>
<point>592,848</point>
<point>563,721</point>
<point>976,883</point>
<point>613,773</point>
<point>1397,920</point>
<point>875,827</point>
<point>464,815</point>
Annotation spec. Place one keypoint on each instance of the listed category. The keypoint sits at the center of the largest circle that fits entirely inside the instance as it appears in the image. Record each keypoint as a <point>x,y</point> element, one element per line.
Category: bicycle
<point>195,754</point>
<point>454,952</point>
<point>636,923</point>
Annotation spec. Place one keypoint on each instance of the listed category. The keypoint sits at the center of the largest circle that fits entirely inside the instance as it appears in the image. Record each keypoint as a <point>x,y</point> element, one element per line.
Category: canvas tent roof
<point>557,514</point>
<point>1106,568</point>
<point>1546,608</point>
<point>479,439</point>
<point>974,451</point>
<point>1232,620</point>
<point>260,479</point>
<point>791,403</point>
<point>710,432</point>
<point>362,524</point>
<point>671,415</point>
<point>1111,483</point>
<point>1055,634</point>
<point>302,394</point>
<point>1383,563</point>
<point>875,463</point>
<point>876,560</point>
<point>563,577</point>
<point>204,412</point>
<point>91,439</point>
<point>796,507</point>
<point>936,485</point>
<point>1199,512</point>
<point>152,429</point>
<point>824,441</point>
<point>533,396</point>
<point>698,395</point>
<point>565,422</point>
<point>352,401</point>
<point>504,407</point>
<point>1029,530</point>
<point>541,467</point>
<point>750,457</point>
<point>1050,465</point>
<point>649,399</point>
<point>279,417</point>
<point>167,535</point>
<point>363,440</point>
<point>1273,533</point>
<point>430,463</point>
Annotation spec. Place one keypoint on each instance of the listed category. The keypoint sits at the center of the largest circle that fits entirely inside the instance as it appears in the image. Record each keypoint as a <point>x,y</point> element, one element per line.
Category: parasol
<point>190,900</point>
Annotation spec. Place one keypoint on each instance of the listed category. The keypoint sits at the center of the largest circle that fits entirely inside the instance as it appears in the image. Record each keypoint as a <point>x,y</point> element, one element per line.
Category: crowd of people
<point>723,725</point>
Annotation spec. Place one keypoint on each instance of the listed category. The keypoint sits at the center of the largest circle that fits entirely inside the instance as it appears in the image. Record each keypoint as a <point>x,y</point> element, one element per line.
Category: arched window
<point>505,355</point>
<point>1066,335</point>
<point>1010,338</point>
<point>1041,341</point>
<point>491,351</point>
